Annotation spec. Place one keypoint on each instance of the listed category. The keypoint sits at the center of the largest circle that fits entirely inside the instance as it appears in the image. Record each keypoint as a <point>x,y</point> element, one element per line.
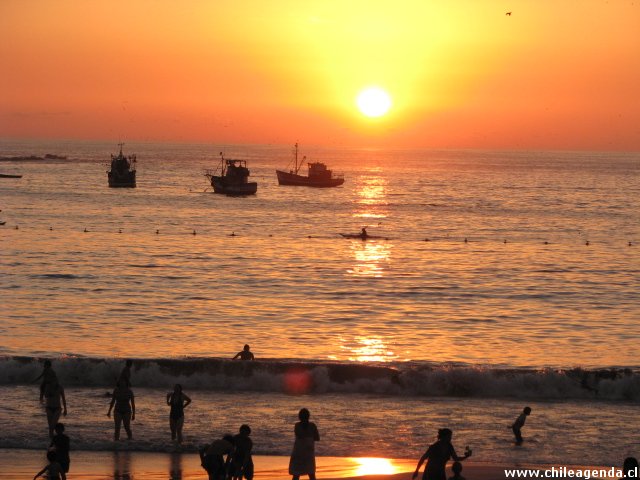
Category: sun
<point>373,102</point>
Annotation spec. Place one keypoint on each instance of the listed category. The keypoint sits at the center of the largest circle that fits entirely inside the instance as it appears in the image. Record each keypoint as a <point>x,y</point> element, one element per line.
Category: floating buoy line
<point>194,232</point>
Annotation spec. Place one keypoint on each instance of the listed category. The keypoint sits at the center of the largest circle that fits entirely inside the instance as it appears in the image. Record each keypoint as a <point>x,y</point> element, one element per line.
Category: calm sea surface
<point>548,277</point>
<point>142,294</point>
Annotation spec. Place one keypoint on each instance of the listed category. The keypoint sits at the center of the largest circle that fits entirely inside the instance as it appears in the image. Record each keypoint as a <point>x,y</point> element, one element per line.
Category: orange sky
<point>462,74</point>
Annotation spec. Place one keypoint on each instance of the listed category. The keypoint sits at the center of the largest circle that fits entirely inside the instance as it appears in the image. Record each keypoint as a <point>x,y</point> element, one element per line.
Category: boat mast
<point>222,164</point>
<point>296,167</point>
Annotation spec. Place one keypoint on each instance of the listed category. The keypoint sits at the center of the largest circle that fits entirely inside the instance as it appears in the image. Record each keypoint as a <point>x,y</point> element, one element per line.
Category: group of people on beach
<point>229,458</point>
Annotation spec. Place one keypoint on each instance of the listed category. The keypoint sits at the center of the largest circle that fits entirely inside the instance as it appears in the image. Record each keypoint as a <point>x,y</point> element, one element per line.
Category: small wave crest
<point>319,377</point>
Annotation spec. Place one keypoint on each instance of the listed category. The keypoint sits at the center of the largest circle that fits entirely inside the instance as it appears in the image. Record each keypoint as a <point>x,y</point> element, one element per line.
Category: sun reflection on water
<point>370,258</point>
<point>371,190</point>
<point>368,349</point>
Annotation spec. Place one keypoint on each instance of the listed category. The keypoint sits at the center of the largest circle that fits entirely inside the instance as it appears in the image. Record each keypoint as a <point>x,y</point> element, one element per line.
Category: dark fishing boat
<point>232,179</point>
<point>123,170</point>
<point>319,175</point>
<point>7,175</point>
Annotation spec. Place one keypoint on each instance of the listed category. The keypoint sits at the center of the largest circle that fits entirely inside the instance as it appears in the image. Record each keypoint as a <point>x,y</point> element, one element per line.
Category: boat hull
<point>292,179</point>
<point>122,181</point>
<point>221,186</point>
<point>6,175</point>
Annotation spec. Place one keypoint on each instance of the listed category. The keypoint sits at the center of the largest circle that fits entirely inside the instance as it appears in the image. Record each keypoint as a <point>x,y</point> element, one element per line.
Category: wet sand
<point>124,465</point>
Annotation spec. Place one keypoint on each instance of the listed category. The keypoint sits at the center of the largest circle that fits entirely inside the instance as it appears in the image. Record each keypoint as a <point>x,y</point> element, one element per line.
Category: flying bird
<point>508,13</point>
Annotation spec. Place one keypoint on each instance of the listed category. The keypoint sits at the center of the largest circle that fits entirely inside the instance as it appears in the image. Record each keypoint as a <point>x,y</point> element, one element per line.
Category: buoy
<point>587,243</point>
<point>157,232</point>
<point>50,228</point>
<point>309,236</point>
<point>426,240</point>
<point>85,230</point>
<point>17,227</point>
<point>630,244</point>
<point>505,240</point>
<point>119,230</point>
<point>466,241</point>
<point>194,232</point>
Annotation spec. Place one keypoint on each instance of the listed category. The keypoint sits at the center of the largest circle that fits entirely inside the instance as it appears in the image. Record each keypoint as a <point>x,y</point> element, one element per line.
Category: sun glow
<point>374,466</point>
<point>373,102</point>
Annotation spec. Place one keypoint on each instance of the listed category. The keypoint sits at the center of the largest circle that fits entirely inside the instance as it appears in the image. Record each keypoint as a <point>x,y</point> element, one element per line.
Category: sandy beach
<point>124,465</point>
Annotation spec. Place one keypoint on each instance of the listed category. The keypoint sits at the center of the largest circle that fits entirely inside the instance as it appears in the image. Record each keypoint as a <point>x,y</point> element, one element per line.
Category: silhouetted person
<point>456,468</point>
<point>519,423</point>
<point>630,468</point>
<point>363,233</point>
<point>178,400</point>
<point>241,461</point>
<point>245,354</point>
<point>212,457</point>
<point>53,469</point>
<point>61,444</point>
<point>48,376</point>
<point>303,456</point>
<point>437,456</point>
<point>125,409</point>
<point>55,404</point>
<point>125,374</point>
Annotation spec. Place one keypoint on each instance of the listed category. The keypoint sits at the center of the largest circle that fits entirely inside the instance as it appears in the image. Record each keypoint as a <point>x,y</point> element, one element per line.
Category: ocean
<point>501,279</point>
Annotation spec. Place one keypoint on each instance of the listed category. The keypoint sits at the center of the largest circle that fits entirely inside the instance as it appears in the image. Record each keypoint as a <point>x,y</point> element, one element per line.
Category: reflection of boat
<point>123,170</point>
<point>232,179</point>
<point>319,175</point>
<point>6,175</point>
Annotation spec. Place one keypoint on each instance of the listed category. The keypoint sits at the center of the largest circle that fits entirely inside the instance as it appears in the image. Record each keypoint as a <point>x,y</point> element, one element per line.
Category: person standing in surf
<point>48,376</point>
<point>125,409</point>
<point>437,456</point>
<point>55,403</point>
<point>303,456</point>
<point>177,400</point>
<point>519,423</point>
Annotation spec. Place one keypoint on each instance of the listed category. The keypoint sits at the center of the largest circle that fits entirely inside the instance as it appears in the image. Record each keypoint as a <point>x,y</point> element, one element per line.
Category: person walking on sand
<point>437,456</point>
<point>61,444</point>
<point>519,423</point>
<point>125,409</point>
<point>245,354</point>
<point>55,404</point>
<point>241,461</point>
<point>303,457</point>
<point>178,401</point>
<point>48,376</point>
<point>53,469</point>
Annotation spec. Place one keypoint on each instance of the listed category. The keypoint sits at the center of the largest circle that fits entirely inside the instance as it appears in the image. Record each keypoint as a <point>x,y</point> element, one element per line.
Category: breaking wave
<point>291,376</point>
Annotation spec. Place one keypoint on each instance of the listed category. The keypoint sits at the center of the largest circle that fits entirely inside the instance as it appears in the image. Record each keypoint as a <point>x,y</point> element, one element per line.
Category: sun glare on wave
<point>373,102</point>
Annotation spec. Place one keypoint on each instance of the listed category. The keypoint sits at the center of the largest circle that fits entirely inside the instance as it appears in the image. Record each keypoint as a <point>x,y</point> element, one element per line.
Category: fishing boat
<point>318,176</point>
<point>7,175</point>
<point>123,170</point>
<point>232,178</point>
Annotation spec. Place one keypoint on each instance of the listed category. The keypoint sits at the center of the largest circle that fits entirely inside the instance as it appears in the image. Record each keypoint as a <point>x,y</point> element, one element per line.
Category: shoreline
<point>119,465</point>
